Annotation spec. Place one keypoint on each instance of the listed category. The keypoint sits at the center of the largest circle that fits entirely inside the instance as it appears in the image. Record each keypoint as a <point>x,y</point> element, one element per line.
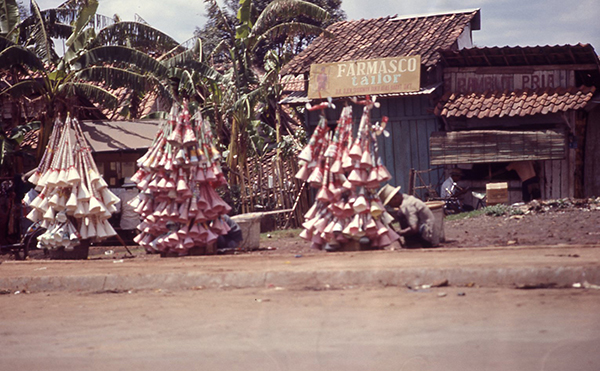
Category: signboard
<point>373,76</point>
<point>481,80</point>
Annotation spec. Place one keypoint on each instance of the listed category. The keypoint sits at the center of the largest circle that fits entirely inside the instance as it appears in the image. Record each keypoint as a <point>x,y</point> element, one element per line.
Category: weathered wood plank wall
<point>556,178</point>
<point>591,172</point>
<point>410,126</point>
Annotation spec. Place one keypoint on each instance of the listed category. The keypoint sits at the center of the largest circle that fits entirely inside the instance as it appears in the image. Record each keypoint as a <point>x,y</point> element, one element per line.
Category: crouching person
<point>415,218</point>
<point>227,243</point>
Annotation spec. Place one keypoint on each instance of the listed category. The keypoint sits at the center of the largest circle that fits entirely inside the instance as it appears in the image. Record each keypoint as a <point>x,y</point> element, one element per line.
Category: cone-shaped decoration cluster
<point>177,178</point>
<point>74,202</point>
<point>347,172</point>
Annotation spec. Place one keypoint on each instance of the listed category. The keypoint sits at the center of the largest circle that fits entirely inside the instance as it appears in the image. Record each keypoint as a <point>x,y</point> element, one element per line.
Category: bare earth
<point>310,328</point>
<point>442,329</point>
<point>557,222</point>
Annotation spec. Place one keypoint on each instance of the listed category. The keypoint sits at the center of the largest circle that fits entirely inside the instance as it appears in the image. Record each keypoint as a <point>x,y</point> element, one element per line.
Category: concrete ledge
<point>484,277</point>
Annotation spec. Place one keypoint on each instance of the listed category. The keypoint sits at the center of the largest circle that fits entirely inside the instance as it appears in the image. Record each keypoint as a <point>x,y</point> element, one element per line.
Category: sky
<point>503,22</point>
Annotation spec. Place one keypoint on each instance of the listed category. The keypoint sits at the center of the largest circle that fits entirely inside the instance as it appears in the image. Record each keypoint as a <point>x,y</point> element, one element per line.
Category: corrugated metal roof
<point>107,136</point>
<point>520,56</point>
<point>385,37</point>
<point>301,97</point>
<point>516,103</point>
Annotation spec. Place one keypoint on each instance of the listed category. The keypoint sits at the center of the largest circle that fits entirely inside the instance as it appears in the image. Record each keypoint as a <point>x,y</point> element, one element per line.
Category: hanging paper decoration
<point>177,178</point>
<point>74,202</point>
<point>347,173</point>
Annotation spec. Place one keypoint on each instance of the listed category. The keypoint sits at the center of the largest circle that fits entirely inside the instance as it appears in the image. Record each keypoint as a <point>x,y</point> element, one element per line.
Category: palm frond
<point>29,88</point>
<point>59,31</point>
<point>222,46</point>
<point>163,89</point>
<point>194,53</point>
<point>136,35</point>
<point>221,21</point>
<point>102,97</point>
<point>57,23</point>
<point>9,16</point>
<point>18,133</point>
<point>270,78</point>
<point>115,78</point>
<point>281,10</point>
<point>42,42</point>
<point>87,11</point>
<point>124,55</point>
<point>79,43</point>
<point>72,4</point>
<point>5,43</point>
<point>247,101</point>
<point>291,29</point>
<point>18,56</point>
<point>186,84</point>
<point>204,70</point>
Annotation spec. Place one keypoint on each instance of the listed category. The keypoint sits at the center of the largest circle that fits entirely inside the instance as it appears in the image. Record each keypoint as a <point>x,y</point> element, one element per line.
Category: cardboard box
<point>497,193</point>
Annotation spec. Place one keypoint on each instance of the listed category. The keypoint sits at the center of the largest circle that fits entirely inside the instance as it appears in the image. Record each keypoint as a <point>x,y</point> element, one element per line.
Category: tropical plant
<point>244,43</point>
<point>92,65</point>
<point>287,45</point>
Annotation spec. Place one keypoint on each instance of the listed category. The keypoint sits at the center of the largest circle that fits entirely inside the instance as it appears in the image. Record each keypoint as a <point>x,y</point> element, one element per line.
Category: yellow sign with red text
<point>373,76</point>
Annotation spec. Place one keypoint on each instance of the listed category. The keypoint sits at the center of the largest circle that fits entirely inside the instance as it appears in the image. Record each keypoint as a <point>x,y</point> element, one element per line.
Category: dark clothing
<point>531,189</point>
<point>232,239</point>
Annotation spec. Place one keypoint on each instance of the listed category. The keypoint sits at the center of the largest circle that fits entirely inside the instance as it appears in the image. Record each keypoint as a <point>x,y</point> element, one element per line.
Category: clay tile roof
<point>292,83</point>
<point>516,103</point>
<point>385,37</point>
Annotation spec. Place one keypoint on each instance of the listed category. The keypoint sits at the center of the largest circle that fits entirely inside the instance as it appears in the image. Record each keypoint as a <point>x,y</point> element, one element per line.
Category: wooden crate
<point>496,193</point>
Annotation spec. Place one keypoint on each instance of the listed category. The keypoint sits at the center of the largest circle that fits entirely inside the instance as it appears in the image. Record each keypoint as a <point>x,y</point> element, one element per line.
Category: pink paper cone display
<point>180,171</point>
<point>346,171</point>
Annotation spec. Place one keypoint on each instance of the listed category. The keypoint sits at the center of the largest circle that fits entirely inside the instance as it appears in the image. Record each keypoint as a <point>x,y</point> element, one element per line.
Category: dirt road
<point>395,329</point>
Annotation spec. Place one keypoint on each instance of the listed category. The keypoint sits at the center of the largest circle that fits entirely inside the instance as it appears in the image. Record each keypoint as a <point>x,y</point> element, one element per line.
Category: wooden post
<point>411,182</point>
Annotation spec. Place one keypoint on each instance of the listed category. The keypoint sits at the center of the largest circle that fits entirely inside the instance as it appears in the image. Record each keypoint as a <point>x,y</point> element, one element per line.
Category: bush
<point>496,210</point>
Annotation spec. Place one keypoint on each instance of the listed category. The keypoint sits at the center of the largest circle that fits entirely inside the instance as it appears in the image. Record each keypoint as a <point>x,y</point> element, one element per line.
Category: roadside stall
<point>347,172</point>
<point>74,203</point>
<point>177,177</point>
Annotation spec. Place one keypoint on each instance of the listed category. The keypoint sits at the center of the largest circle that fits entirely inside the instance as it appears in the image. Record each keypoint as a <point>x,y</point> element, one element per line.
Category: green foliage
<point>9,16</point>
<point>266,22</point>
<point>115,57</point>
<point>496,210</point>
<point>467,215</point>
<point>10,145</point>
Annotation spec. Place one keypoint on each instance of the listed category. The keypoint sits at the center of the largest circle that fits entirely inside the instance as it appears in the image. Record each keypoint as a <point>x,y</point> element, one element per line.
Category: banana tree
<point>240,44</point>
<point>9,16</point>
<point>92,65</point>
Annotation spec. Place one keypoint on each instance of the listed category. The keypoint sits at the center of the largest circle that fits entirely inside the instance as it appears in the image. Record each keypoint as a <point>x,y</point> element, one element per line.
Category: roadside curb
<point>319,279</point>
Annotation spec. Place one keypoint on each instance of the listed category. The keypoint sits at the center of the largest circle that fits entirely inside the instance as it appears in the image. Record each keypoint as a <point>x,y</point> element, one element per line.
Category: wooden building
<point>411,118</point>
<point>515,104</point>
<point>117,145</point>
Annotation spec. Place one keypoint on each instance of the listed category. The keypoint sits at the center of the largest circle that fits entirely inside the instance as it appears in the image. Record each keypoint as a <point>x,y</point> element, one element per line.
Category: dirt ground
<point>449,329</point>
<point>554,222</point>
<point>277,328</point>
<point>548,223</point>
